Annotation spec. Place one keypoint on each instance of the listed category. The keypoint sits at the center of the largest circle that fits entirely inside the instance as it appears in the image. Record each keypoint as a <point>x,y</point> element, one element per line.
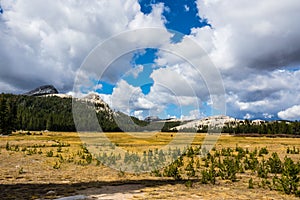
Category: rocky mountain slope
<point>42,90</point>
<point>212,121</point>
<point>215,122</point>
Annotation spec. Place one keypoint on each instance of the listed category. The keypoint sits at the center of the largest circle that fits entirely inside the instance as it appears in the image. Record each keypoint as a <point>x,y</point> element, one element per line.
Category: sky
<point>254,45</point>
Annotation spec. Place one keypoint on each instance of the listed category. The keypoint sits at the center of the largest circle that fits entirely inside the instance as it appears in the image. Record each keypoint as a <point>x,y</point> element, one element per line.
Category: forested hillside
<point>19,112</point>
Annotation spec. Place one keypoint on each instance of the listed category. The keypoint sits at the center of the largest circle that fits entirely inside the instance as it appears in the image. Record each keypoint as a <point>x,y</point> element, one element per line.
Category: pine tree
<point>7,115</point>
<point>2,115</point>
<point>49,125</point>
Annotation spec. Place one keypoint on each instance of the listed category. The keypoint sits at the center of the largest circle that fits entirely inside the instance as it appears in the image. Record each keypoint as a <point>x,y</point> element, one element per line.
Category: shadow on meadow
<point>57,190</point>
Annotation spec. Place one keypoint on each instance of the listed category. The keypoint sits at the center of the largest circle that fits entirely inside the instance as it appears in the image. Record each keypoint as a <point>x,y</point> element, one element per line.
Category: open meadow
<point>49,165</point>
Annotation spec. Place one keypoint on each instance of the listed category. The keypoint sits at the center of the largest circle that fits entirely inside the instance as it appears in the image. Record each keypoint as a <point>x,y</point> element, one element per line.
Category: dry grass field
<point>49,165</point>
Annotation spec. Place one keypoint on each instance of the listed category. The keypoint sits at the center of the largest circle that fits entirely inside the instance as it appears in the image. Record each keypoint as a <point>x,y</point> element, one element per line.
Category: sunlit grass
<point>67,164</point>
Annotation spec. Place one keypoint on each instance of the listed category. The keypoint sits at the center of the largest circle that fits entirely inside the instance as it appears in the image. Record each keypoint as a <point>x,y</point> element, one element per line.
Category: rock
<point>42,90</point>
<point>51,192</point>
<point>77,197</point>
<point>152,119</point>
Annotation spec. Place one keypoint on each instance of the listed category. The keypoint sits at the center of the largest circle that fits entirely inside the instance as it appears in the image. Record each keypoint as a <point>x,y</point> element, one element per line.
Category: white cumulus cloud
<point>292,113</point>
<point>45,42</point>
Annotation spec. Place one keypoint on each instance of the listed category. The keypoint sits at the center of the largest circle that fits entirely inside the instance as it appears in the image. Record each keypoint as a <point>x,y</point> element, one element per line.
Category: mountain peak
<point>42,90</point>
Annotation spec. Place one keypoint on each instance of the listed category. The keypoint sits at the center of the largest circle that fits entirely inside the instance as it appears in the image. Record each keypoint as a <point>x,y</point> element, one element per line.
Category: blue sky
<point>142,79</point>
<point>180,17</point>
<point>254,45</point>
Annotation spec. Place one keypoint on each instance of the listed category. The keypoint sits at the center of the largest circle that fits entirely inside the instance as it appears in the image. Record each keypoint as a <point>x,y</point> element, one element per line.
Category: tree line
<point>272,127</point>
<point>247,127</point>
<point>32,113</point>
<point>20,112</point>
